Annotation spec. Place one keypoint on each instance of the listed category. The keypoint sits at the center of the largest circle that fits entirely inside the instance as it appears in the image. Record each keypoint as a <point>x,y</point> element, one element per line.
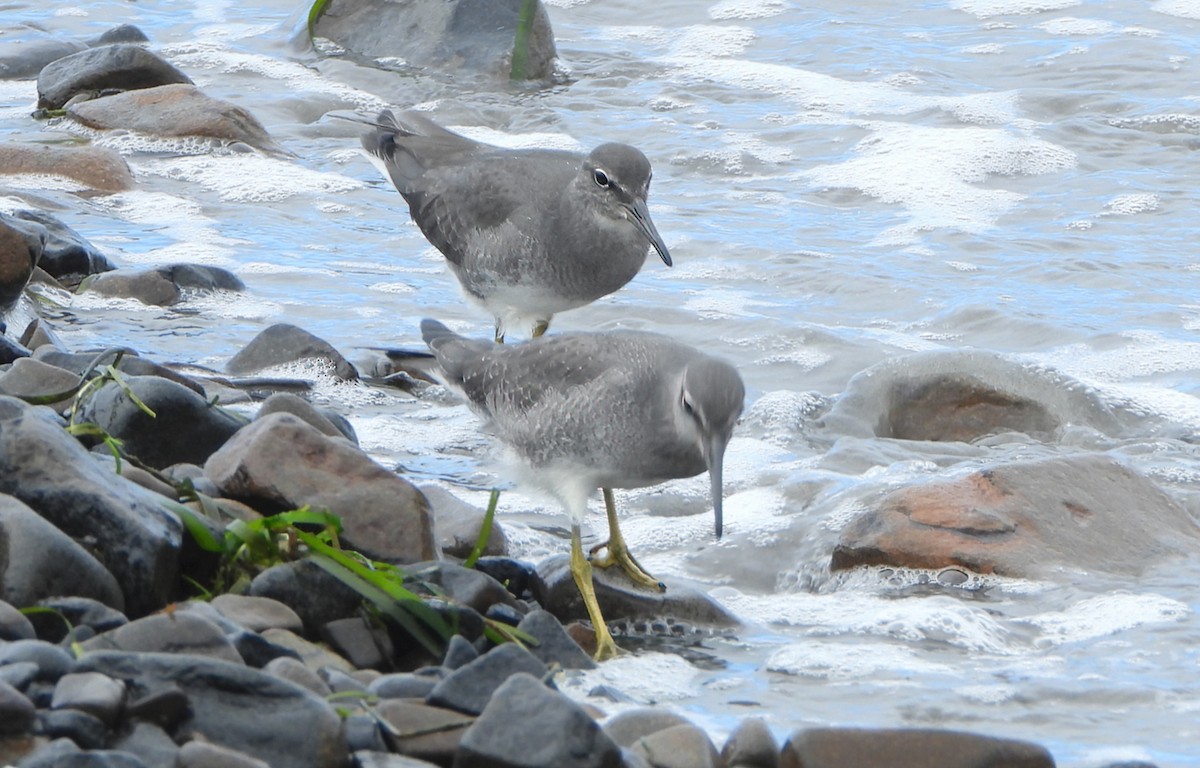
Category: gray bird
<point>580,411</point>
<point>527,232</point>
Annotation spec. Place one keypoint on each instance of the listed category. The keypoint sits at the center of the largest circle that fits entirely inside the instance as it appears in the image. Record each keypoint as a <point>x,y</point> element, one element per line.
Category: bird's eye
<point>601,177</point>
<point>687,406</point>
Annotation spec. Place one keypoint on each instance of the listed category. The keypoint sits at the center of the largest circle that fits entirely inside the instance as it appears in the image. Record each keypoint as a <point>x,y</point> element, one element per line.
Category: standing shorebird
<point>527,232</point>
<point>581,411</point>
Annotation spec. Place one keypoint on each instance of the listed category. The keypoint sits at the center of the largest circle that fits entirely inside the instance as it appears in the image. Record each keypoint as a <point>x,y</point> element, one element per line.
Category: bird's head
<point>618,177</point>
<point>710,399</point>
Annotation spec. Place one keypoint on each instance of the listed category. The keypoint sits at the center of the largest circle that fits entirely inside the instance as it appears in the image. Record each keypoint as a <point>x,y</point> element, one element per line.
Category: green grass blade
<point>314,13</point>
<point>520,54</point>
<point>485,530</point>
<point>195,526</point>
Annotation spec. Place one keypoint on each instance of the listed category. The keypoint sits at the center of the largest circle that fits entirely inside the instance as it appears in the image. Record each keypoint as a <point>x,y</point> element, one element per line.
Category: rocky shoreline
<point>161,608</point>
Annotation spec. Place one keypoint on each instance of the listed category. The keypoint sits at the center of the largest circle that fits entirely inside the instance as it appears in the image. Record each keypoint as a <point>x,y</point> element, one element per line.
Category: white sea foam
<point>539,140</point>
<point>987,8</point>
<point>842,661</point>
<point>1136,202</point>
<point>647,678</point>
<point>1105,615</point>
<point>250,178</point>
<point>1186,9</point>
<point>1069,25</point>
<point>746,9</point>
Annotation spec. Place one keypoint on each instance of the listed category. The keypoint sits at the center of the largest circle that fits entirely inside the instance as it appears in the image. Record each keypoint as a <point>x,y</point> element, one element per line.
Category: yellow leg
<point>540,327</point>
<point>581,569</point>
<point>618,551</point>
<point>499,333</point>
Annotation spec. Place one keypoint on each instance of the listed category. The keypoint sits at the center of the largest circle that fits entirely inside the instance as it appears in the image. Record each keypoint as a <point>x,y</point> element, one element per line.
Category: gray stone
<point>121,67</point>
<point>469,688</point>
<point>38,561</point>
<point>19,674</point>
<point>53,662</point>
<point>257,613</point>
<point>907,748</point>
<point>51,755</point>
<point>456,525</point>
<point>11,350</point>
<point>554,646</point>
<point>202,754</point>
<point>314,656</point>
<point>15,625</point>
<point>122,33</point>
<point>23,59</point>
<point>98,168</point>
<point>174,110</point>
<point>290,727</point>
<point>29,378</point>
<point>295,671</point>
<point>474,589</point>
<point>153,745</point>
<point>633,725</point>
<point>424,732</point>
<point>66,254</point>
<point>459,653</point>
<point>281,461</point>
<point>402,685</point>
<point>39,333</point>
<point>751,745</point>
<point>17,712</point>
<point>680,746</point>
<point>282,344</point>
<point>133,536</point>
<point>20,249</point>
<point>366,759</point>
<point>313,593</point>
<point>455,36</point>
<point>88,731</point>
<point>363,645</point>
<point>91,692</point>
<point>325,421</point>
<point>185,426</point>
<point>129,364</point>
<point>179,632</point>
<point>527,725</point>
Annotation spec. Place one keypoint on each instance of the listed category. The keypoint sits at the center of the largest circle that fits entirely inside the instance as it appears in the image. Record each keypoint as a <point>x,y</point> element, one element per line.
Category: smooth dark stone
<point>680,746</point>
<point>281,344</point>
<point>91,692</point>
<point>907,748</point>
<point>472,588</point>
<point>19,674</point>
<point>124,33</point>
<point>469,688</point>
<point>66,252</point>
<point>295,671</point>
<point>313,593</point>
<point>15,625</point>
<point>88,731</point>
<point>257,651</point>
<point>363,734</point>
<point>402,685</point>
<point>179,632</point>
<point>77,612</point>
<point>554,646</point>
<point>423,732</point>
<point>459,653</point>
<point>152,745</point>
<point>324,420</point>
<point>631,725</point>
<point>51,755</point>
<point>53,662</point>
<point>527,725</point>
<point>122,66</point>
<point>751,745</point>
<point>17,713</point>
<point>164,704</point>
<point>504,613</point>
<point>363,645</point>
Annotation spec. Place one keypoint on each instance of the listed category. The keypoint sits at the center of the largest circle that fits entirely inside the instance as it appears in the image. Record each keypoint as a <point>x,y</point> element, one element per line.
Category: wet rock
<point>424,732</point>
<point>363,759</point>
<point>461,36</point>
<point>11,351</point>
<point>680,746</point>
<point>165,705</point>
<point>363,734</point>
<point>88,731</point>
<point>283,462</point>
<point>174,111</point>
<point>19,674</point>
<point>965,395</point>
<point>554,646</point>
<point>313,593</point>
<point>38,561</point>
<point>632,725</point>
<point>464,586</point>
<point>17,713</point>
<point>527,725</point>
<point>1024,519</point>
<point>66,255</point>
<point>130,364</point>
<point>150,743</point>
<point>23,59</point>
<point>162,286</point>
<point>469,688</point>
<point>94,167</point>
<point>185,427</point>
<point>91,692</point>
<point>459,653</point>
<point>122,33</point>
<point>316,657</point>
<point>751,745</point>
<point>176,632</point>
<point>202,754</point>
<point>290,726</point>
<point>456,525</point>
<point>120,67</point>
<point>907,748</point>
<point>257,613</point>
<point>34,379</point>
<point>15,625</point>
<point>52,662</point>
<point>54,754</point>
<point>403,685</point>
<point>325,421</point>
<point>39,333</point>
<point>282,344</point>
<point>20,248</point>
<point>363,645</point>
<point>620,598</point>
<point>78,612</point>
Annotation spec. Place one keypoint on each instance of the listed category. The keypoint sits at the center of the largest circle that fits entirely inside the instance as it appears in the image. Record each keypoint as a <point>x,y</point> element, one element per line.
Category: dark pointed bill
<point>714,456</point>
<point>641,218</point>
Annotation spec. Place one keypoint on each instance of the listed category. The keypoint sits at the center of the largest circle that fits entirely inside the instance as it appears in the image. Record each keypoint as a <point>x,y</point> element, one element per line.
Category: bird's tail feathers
<point>452,350</point>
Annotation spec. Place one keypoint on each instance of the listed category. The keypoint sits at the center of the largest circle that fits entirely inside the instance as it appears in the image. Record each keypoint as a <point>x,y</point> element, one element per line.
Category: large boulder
<point>120,67</point>
<point>907,748</point>
<point>234,706</point>
<point>125,527</point>
<point>281,461</point>
<point>467,36</point>
<point>1024,519</point>
<point>97,168</point>
<point>20,248</point>
<point>66,255</point>
<point>27,51</point>
<point>283,344</point>
<point>163,286</point>
<point>174,110</point>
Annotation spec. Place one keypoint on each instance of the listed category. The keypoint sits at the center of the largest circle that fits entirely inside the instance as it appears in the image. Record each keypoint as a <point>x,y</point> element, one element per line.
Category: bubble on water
<point>784,411</point>
<point>987,8</point>
<point>852,661</point>
<point>1069,25</point>
<point>1105,615</point>
<point>984,49</point>
<point>392,288</point>
<point>519,140</point>
<point>988,694</point>
<point>746,9</point>
<point>43,182</point>
<point>250,178</point>
<point>645,678</point>
<point>1127,205</point>
<point>712,41</point>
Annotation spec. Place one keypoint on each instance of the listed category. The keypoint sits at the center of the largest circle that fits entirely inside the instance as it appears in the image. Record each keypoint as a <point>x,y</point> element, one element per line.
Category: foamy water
<point>839,185</point>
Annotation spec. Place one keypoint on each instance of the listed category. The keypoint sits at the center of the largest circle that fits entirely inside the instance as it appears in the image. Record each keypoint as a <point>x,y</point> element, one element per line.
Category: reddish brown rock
<point>19,253</point>
<point>94,167</point>
<point>907,748</point>
<point>282,462</point>
<point>1024,519</point>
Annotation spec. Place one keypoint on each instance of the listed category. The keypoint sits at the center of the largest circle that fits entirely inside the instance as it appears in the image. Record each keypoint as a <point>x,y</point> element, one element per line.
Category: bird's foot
<point>616,553</point>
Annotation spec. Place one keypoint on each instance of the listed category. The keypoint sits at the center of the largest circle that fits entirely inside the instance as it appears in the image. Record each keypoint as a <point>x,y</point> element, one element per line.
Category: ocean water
<point>840,185</point>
